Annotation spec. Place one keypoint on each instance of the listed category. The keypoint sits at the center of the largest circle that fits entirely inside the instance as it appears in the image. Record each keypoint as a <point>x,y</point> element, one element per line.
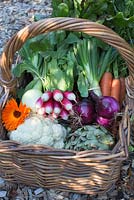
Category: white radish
<point>70,95</point>
<point>48,106</point>
<point>47,95</point>
<point>57,95</point>
<point>57,107</point>
<point>39,103</point>
<point>67,105</point>
<point>64,114</point>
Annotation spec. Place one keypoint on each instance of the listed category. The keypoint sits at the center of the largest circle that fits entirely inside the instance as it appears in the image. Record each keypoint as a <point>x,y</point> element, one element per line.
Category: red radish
<point>57,95</point>
<point>67,105</point>
<point>70,95</point>
<point>57,107</point>
<point>48,106</point>
<point>46,95</point>
<point>39,103</point>
<point>64,114</point>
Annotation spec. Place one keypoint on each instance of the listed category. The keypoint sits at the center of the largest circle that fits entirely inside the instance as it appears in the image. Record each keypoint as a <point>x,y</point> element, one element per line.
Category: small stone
<point>2,182</point>
<point>132,163</point>
<point>38,191</point>
<point>103,197</point>
<point>3,193</point>
<point>76,197</point>
<point>60,197</point>
<point>42,195</point>
<point>30,193</point>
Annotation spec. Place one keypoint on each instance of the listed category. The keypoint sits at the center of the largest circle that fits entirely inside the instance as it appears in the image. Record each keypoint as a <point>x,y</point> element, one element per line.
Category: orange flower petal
<point>14,115</point>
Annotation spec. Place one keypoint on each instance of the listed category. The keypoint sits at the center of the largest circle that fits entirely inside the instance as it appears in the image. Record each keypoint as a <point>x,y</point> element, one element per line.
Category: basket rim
<point>10,146</point>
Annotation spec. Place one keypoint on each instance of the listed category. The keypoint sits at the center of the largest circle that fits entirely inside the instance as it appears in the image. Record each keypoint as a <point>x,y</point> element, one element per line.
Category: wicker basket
<point>89,172</point>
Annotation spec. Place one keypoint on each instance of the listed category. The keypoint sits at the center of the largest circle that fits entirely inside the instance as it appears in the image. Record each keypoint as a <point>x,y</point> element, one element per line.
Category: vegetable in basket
<point>55,103</point>
<point>89,137</point>
<point>91,65</point>
<point>49,60</point>
<point>30,97</point>
<point>116,86</point>
<point>39,130</point>
<point>85,111</point>
<point>113,85</point>
<point>106,108</point>
<point>106,83</point>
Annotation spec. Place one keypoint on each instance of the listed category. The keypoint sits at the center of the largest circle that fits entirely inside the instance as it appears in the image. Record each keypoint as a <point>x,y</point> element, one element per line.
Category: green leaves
<point>60,9</point>
<point>131,148</point>
<point>89,137</point>
<point>116,14</point>
<point>83,85</point>
<point>26,66</point>
<point>87,56</point>
<point>60,73</point>
<point>49,58</point>
<point>120,21</point>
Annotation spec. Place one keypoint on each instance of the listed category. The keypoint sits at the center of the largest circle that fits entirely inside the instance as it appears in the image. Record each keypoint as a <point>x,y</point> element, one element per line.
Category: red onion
<point>106,106</point>
<point>85,110</point>
<point>104,121</point>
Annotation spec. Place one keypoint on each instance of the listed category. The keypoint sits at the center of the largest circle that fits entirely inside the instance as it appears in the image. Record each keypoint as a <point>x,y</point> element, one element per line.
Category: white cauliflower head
<point>39,130</point>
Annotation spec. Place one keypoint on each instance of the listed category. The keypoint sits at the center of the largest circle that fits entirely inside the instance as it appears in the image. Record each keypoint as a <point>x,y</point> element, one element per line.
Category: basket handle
<point>63,23</point>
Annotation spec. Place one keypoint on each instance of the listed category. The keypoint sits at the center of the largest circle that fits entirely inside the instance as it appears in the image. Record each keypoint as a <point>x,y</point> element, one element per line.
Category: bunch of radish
<point>56,103</point>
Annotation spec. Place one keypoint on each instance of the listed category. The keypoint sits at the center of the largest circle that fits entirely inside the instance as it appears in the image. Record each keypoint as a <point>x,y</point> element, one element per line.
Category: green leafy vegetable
<point>89,137</point>
<point>91,65</point>
<point>48,59</point>
<point>117,15</point>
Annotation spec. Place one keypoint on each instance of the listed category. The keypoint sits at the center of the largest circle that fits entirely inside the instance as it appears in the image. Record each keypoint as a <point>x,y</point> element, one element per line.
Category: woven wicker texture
<point>88,172</point>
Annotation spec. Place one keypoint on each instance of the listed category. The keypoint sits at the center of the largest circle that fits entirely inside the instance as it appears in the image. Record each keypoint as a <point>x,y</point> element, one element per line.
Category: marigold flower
<point>14,115</point>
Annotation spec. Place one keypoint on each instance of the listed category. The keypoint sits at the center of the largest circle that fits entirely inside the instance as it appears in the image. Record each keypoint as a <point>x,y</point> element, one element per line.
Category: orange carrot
<point>123,89</point>
<point>115,89</point>
<point>105,83</point>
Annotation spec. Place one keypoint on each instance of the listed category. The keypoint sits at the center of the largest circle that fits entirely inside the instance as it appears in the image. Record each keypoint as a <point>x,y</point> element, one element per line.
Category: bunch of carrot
<point>112,86</point>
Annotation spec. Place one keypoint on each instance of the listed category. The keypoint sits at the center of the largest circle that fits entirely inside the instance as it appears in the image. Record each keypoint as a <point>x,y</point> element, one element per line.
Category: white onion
<point>30,97</point>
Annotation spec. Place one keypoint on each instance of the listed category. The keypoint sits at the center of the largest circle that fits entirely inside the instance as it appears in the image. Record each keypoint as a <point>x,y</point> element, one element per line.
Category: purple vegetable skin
<point>104,121</point>
<point>106,106</point>
<point>85,110</point>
